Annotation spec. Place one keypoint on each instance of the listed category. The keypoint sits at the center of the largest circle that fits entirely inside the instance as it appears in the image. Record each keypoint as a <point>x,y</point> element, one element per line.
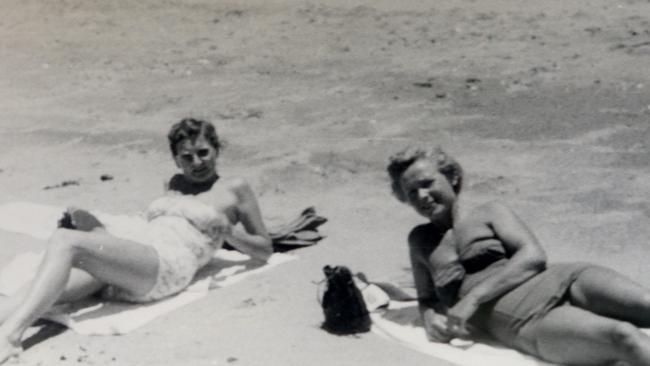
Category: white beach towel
<point>110,318</point>
<point>401,323</point>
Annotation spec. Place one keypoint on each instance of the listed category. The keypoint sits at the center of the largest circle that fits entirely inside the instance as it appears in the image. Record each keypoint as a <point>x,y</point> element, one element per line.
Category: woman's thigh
<point>111,260</point>
<point>570,335</point>
<point>80,285</point>
<point>607,292</point>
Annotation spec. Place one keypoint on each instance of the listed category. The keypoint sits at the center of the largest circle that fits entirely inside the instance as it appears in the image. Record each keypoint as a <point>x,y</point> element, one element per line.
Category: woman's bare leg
<point>80,285</point>
<point>129,265</point>
<point>606,292</point>
<point>570,335</point>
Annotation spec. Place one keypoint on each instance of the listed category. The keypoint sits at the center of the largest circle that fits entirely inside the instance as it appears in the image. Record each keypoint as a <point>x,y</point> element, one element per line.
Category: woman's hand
<point>217,227</point>
<point>435,326</point>
<point>458,316</point>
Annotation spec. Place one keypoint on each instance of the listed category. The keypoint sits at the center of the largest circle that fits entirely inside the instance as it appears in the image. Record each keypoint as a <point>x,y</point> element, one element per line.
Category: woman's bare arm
<point>426,294</point>
<point>253,239</point>
<point>431,309</point>
<point>527,259</point>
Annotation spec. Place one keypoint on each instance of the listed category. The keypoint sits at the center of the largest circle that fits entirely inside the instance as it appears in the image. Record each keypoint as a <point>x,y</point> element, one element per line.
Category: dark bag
<point>343,305</point>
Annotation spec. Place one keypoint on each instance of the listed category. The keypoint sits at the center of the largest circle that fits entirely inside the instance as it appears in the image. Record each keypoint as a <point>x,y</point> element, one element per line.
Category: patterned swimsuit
<point>182,248</point>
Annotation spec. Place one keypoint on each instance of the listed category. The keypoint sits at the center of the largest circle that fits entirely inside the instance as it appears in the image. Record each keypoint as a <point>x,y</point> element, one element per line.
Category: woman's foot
<point>8,350</point>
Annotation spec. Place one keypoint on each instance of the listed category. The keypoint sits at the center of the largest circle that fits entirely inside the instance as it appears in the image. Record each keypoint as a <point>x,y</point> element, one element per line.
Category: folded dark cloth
<point>299,232</point>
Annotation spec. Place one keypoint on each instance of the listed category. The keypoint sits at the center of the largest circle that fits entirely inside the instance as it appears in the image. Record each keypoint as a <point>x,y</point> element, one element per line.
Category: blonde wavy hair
<point>399,162</point>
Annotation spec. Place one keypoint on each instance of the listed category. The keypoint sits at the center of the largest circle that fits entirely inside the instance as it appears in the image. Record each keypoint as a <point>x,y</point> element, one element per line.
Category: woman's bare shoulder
<point>488,211</point>
<point>236,185</point>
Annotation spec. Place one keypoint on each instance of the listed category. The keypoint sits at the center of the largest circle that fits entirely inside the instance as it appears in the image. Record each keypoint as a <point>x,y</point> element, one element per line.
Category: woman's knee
<point>64,242</point>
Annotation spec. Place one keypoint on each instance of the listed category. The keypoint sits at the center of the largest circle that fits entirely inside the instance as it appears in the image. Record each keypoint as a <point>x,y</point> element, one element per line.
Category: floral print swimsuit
<point>183,248</point>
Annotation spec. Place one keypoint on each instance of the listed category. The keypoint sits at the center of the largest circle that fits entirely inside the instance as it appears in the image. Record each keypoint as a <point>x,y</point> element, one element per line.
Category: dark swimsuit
<point>507,316</point>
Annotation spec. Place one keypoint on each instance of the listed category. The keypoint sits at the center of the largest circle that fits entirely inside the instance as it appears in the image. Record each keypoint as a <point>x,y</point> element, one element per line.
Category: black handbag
<point>343,305</point>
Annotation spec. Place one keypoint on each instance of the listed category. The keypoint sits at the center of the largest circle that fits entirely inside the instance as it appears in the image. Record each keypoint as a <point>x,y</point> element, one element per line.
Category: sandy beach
<point>546,104</point>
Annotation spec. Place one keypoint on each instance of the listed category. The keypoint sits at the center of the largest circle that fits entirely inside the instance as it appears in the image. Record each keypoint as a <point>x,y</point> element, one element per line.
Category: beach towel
<point>96,317</point>
<point>400,322</point>
<point>40,221</point>
<point>395,316</point>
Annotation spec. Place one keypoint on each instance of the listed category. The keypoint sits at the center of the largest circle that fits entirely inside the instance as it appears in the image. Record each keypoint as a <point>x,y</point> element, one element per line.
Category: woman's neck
<point>180,184</point>
<point>446,223</point>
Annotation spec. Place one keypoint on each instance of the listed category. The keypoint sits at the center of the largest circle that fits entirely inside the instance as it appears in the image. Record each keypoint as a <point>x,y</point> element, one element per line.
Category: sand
<point>546,105</point>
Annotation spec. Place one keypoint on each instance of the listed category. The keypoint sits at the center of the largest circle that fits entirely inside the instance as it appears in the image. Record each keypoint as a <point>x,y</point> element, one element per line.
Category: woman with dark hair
<point>183,229</point>
<point>487,271</point>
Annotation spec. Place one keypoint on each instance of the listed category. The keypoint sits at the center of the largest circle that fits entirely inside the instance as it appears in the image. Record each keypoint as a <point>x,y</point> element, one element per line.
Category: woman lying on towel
<point>183,229</point>
<point>487,271</point>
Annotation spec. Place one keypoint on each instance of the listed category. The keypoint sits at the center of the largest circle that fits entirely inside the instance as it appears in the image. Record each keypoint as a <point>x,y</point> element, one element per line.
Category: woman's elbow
<point>537,263</point>
<point>265,251</point>
<point>266,254</point>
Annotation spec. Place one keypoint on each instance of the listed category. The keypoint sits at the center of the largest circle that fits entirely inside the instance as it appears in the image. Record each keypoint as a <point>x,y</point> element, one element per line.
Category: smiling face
<point>197,158</point>
<point>428,191</point>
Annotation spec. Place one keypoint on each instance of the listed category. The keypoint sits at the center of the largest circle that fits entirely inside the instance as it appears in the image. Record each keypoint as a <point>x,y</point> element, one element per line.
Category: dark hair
<point>447,166</point>
<point>190,128</point>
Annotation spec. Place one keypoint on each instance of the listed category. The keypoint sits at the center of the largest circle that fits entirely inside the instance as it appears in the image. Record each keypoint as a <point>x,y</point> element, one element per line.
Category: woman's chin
<point>438,215</point>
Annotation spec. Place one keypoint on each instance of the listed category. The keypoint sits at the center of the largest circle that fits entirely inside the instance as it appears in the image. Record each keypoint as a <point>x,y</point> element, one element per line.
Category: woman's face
<point>197,160</point>
<point>428,191</point>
